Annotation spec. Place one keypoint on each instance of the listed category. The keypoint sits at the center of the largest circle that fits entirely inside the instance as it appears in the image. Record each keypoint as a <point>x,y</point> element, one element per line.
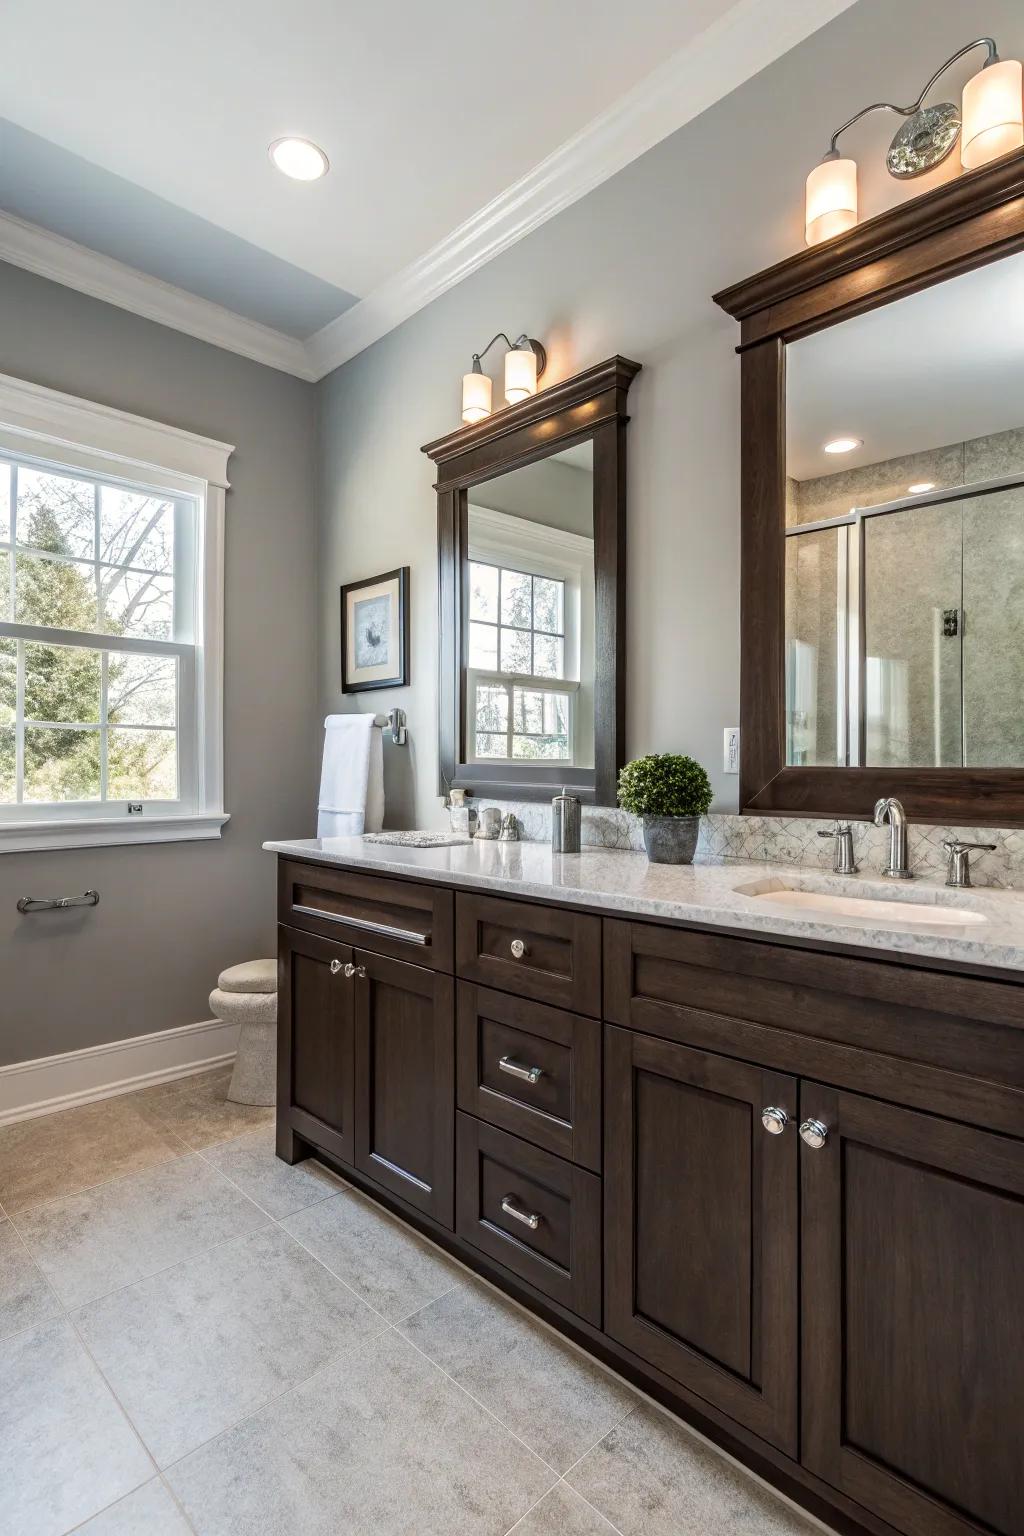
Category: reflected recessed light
<point>921,487</point>
<point>843,444</point>
<point>300,159</point>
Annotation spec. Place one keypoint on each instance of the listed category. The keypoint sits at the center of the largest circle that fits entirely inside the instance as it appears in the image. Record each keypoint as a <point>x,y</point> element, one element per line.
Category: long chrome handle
<point>528,1218</point>
<point>814,1133</point>
<point>57,903</point>
<point>384,929</point>
<point>518,949</point>
<point>527,1074</point>
<point>774,1119</point>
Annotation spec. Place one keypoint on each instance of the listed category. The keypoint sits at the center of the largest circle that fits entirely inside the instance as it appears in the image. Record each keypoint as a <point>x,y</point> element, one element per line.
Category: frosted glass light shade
<point>993,114</point>
<point>831,200</point>
<point>520,374</point>
<point>476,396</point>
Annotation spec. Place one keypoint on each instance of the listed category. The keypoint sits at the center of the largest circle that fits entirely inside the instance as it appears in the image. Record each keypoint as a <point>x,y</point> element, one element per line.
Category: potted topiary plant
<point>671,793</point>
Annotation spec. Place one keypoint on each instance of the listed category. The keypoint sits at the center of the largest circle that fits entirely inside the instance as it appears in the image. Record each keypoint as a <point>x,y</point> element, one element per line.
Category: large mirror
<point>531,539</point>
<point>905,531</point>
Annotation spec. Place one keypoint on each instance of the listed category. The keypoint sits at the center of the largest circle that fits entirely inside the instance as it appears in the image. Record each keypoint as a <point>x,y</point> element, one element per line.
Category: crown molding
<point>746,40</point>
<point>101,277</point>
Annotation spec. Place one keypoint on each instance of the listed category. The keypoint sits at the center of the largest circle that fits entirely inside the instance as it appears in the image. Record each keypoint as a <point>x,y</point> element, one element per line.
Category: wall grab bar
<point>57,903</point>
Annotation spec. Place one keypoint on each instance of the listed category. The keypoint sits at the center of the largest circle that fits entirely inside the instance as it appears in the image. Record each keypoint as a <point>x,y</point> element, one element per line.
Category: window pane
<point>483,592</point>
<point>61,765</point>
<point>136,604</point>
<point>556,714</point>
<point>60,593</point>
<point>56,513</point>
<point>5,584</point>
<point>548,656</point>
<point>483,646</point>
<point>62,684</point>
<point>5,502</point>
<point>548,604</point>
<point>142,690</point>
<point>491,708</point>
<point>548,747</point>
<point>136,529</point>
<point>491,746</point>
<point>516,606</point>
<point>8,681</point>
<point>529,710</point>
<point>142,765</point>
<point>8,767</point>
<point>515,651</point>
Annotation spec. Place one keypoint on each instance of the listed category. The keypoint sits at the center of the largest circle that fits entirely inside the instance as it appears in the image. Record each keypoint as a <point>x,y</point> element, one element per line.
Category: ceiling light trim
<point>733,49</point>
<point>101,277</point>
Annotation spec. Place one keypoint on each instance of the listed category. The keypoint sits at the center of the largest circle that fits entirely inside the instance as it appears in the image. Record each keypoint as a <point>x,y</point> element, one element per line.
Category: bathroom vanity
<point>767,1163</point>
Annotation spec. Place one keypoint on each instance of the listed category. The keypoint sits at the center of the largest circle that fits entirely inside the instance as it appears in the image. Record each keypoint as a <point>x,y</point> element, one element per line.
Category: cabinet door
<point>315,1057</point>
<point>701,1217</point>
<point>405,1081</point>
<point>913,1345</point>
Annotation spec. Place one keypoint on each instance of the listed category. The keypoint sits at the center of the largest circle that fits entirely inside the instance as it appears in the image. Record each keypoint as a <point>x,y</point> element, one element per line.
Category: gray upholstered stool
<point>247,995</point>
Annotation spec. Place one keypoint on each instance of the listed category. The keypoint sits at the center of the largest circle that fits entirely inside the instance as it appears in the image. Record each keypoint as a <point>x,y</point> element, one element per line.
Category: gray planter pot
<point>671,839</point>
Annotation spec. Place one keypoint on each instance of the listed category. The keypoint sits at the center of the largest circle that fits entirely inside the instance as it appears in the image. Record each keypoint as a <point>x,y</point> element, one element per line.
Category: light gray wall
<point>630,269</point>
<point>171,916</point>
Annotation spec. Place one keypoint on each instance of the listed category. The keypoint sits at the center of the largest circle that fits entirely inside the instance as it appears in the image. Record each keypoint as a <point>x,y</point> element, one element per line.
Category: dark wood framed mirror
<point>882,604</point>
<point>531,531</point>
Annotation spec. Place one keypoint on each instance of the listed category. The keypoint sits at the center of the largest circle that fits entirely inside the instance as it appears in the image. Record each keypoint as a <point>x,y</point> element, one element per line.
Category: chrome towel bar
<point>57,903</point>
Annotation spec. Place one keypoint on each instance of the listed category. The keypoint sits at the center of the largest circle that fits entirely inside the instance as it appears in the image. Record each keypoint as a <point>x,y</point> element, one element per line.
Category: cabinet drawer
<point>531,1070</point>
<point>393,917</point>
<point>546,953</point>
<point>536,1214</point>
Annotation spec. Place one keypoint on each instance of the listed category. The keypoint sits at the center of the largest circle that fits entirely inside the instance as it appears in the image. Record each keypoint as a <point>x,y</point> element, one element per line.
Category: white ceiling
<point>940,367</point>
<point>429,114</point>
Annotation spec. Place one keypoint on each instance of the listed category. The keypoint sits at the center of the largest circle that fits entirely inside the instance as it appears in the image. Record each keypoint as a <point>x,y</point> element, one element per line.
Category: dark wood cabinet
<point>913,1344</point>
<point>405,1081</point>
<point>701,1226</point>
<point>315,1047</point>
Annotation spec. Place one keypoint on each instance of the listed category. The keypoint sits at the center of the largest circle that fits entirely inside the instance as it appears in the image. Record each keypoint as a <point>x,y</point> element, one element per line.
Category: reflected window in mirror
<point>530,658</point>
<point>904,568</point>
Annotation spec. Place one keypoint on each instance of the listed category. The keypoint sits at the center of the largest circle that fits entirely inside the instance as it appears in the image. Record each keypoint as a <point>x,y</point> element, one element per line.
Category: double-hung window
<point>110,626</point>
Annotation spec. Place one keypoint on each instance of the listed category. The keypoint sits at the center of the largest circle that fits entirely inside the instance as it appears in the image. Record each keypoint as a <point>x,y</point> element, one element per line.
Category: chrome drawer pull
<point>528,1218</point>
<point>384,929</point>
<point>527,1074</point>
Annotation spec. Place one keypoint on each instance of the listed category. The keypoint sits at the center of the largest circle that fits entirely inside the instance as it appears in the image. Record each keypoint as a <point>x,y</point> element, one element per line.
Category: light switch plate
<point>731,749</point>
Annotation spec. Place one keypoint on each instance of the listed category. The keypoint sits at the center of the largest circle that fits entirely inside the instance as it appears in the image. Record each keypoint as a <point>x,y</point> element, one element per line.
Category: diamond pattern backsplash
<point>781,840</point>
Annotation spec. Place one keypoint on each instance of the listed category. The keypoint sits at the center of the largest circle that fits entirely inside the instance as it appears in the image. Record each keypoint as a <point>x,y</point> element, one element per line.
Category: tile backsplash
<point>783,840</point>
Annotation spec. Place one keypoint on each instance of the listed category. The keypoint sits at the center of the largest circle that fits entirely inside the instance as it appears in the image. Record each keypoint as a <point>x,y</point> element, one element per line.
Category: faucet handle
<point>958,868</point>
<point>953,845</point>
<point>842,835</point>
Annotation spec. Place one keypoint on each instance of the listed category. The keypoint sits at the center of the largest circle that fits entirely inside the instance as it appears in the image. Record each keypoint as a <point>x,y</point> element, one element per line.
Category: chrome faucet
<point>842,836</point>
<point>891,811</point>
<point>958,867</point>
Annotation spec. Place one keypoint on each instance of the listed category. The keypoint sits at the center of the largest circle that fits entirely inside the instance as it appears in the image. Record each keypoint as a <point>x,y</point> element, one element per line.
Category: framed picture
<point>375,632</point>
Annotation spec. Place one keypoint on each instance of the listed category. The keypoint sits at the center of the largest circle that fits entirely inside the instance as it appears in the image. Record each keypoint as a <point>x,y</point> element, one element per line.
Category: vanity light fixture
<point>842,444</point>
<point>525,361</point>
<point>989,123</point>
<point>920,488</point>
<point>300,159</point>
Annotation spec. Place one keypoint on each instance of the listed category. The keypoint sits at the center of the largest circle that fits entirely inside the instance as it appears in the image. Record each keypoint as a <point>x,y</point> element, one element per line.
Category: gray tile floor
<point>195,1338</point>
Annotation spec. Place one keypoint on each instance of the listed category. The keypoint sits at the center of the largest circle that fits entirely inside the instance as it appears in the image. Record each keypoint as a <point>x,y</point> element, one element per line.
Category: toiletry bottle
<point>566,819</point>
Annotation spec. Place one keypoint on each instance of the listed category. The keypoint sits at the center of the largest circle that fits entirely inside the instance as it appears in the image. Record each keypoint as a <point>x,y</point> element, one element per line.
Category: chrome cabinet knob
<point>814,1133</point>
<point>350,971</point>
<point>361,972</point>
<point>335,967</point>
<point>518,949</point>
<point>774,1120</point>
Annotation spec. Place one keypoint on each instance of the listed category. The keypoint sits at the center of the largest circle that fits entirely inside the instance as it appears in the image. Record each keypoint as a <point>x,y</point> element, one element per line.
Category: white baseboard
<point>41,1087</point>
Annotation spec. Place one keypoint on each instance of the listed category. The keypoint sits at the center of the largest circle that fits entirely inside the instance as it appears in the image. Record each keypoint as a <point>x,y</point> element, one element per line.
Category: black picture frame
<point>349,591</point>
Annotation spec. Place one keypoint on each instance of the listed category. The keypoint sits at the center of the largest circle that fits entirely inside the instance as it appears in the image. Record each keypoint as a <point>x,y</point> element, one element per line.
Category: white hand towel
<point>352,778</point>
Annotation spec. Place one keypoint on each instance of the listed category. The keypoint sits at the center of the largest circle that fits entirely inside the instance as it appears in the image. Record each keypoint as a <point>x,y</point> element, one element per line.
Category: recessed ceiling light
<point>843,444</point>
<point>300,159</point>
<point>921,487</point>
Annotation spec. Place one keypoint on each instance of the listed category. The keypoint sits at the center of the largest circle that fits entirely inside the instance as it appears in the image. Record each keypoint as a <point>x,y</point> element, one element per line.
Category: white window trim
<point>44,423</point>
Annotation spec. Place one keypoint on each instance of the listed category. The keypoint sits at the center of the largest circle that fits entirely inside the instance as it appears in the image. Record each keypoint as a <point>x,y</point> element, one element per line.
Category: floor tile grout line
<point>177,1503</point>
<point>600,1441</point>
<point>526,1512</point>
<point>88,1189</point>
<point>77,1529</point>
<point>121,1407</point>
<point>591,1505</point>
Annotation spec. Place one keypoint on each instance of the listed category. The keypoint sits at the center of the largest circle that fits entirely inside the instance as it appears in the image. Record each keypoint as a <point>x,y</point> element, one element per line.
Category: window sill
<point>108,832</point>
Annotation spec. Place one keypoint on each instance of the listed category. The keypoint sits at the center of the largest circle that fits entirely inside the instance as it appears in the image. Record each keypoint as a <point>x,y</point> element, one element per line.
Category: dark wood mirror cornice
<point>591,405</point>
<point>966,223</point>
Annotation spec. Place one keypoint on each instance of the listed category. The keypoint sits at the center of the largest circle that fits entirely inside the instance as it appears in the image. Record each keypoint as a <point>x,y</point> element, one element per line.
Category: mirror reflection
<point>905,531</point>
<point>529,598</point>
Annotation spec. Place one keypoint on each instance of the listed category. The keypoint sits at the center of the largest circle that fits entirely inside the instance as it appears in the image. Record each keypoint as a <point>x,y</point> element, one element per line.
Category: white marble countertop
<point>732,895</point>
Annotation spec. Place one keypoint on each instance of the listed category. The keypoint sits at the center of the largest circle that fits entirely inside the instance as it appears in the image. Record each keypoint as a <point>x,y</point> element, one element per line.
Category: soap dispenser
<point>566,823</point>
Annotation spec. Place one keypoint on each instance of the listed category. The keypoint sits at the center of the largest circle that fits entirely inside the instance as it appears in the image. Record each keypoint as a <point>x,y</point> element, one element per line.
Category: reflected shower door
<point>993,629</point>
<point>816,648</point>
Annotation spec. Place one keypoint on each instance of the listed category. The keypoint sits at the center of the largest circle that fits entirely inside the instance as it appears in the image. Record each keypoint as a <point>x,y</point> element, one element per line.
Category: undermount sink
<point>872,911</point>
